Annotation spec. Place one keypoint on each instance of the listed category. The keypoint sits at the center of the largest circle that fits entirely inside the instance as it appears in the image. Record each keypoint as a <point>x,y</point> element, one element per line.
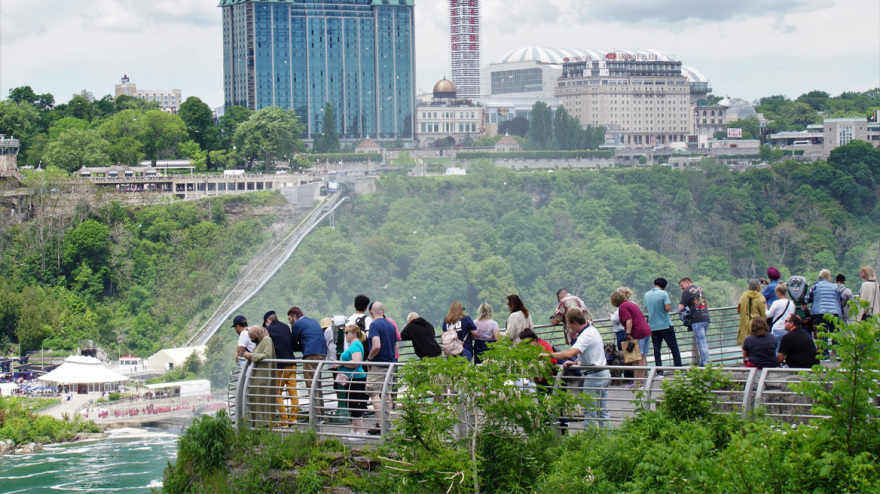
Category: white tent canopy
<point>185,388</point>
<point>83,372</point>
<point>6,389</point>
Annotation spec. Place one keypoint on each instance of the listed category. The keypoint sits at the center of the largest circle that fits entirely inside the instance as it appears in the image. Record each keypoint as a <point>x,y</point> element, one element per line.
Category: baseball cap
<point>239,321</point>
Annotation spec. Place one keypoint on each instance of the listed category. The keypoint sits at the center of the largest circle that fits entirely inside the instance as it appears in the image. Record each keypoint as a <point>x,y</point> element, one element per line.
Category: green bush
<point>201,456</point>
<point>113,396</point>
<point>689,395</point>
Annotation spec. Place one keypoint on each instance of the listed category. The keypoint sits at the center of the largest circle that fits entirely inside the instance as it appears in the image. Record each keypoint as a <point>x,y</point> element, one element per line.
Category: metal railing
<point>263,398</point>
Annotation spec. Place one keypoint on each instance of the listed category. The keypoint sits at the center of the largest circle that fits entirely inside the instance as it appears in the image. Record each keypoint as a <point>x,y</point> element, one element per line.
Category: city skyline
<point>746,50</point>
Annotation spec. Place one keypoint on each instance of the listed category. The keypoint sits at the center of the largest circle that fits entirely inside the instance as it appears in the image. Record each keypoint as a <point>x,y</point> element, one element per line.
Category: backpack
<point>449,342</point>
<point>362,323</point>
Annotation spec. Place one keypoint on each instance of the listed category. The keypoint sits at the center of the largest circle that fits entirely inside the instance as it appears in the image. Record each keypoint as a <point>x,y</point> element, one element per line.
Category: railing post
<point>646,405</point>
<point>383,412</point>
<point>762,383</point>
<point>313,407</point>
<point>748,393</point>
<point>243,383</point>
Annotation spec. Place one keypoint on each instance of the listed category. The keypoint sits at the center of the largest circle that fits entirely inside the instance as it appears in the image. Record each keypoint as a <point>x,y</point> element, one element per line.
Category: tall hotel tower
<point>358,55</point>
<point>464,29</point>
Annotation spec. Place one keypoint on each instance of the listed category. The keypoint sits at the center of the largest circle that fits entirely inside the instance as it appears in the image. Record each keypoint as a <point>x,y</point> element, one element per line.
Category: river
<point>129,460</point>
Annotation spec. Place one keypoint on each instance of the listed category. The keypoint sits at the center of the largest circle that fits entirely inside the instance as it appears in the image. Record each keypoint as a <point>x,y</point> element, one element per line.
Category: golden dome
<point>444,89</point>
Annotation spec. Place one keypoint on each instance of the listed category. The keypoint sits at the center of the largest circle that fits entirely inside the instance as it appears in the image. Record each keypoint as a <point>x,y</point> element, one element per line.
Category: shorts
<point>375,380</point>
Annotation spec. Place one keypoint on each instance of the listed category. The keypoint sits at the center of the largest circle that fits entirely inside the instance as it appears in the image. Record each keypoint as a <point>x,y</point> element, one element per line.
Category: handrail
<point>753,389</point>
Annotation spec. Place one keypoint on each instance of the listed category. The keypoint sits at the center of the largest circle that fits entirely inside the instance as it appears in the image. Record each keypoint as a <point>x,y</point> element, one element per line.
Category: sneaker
<point>374,432</point>
<point>369,414</point>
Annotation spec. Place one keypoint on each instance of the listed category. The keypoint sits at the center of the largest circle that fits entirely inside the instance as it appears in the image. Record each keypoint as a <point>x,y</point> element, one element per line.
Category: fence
<point>259,397</point>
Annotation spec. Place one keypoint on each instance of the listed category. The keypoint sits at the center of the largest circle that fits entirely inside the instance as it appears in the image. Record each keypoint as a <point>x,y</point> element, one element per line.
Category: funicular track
<point>259,272</point>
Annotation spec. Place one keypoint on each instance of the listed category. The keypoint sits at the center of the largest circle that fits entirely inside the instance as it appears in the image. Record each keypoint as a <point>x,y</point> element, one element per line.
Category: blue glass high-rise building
<point>358,55</point>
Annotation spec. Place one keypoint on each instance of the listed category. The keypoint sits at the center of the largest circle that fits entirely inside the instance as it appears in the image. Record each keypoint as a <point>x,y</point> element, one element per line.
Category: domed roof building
<point>444,89</point>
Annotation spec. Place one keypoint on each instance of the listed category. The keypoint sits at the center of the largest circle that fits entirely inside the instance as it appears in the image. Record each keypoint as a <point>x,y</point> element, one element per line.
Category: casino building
<point>643,98</point>
<point>358,55</point>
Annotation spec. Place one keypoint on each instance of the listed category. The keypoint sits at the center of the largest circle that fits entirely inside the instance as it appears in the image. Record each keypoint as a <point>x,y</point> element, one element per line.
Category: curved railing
<point>254,390</point>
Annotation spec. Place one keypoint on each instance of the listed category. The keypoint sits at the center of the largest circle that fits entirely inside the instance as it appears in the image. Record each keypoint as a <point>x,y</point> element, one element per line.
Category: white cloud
<point>113,16</point>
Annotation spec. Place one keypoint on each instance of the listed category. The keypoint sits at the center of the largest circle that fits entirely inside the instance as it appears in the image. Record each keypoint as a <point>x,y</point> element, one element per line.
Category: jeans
<point>597,385</point>
<point>779,333</point>
<point>657,337</point>
<point>700,329</point>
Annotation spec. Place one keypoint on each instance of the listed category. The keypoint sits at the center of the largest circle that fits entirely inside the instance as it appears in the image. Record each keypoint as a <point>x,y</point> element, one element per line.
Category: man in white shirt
<point>590,352</point>
<point>245,344</point>
<point>361,302</point>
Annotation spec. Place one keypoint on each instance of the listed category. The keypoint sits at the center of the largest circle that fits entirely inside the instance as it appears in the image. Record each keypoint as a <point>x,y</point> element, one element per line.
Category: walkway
<point>66,407</point>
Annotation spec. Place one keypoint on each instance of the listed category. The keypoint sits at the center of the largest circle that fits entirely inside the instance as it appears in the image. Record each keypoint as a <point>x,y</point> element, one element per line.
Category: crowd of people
<point>773,331</point>
<point>151,409</point>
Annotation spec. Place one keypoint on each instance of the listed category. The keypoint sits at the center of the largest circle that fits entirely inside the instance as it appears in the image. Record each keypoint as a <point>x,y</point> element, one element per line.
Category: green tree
<point>517,126</point>
<point>229,121</point>
<point>541,126</point>
<point>77,148</point>
<point>88,243</point>
<point>30,331</point>
<point>197,117</point>
<point>328,141</point>
<point>816,99</point>
<point>80,107</point>
<point>159,132</point>
<point>65,124</point>
<point>268,134</point>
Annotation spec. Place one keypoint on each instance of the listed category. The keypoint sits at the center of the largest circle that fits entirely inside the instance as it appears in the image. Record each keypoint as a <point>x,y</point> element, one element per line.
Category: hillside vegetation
<point>137,274</point>
<point>420,243</point>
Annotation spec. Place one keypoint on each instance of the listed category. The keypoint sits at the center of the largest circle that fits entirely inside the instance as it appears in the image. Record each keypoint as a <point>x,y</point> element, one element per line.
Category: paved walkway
<point>68,407</point>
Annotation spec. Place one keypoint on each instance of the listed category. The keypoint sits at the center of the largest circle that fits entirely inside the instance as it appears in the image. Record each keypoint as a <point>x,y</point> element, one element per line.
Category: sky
<point>746,48</point>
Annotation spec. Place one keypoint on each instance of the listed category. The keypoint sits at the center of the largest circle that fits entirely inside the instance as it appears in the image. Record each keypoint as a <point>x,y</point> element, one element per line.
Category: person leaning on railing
<point>262,381</point>
<point>590,351</point>
<point>352,377</point>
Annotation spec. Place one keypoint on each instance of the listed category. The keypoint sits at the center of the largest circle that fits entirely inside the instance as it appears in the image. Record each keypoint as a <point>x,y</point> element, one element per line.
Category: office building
<point>168,99</point>
<point>464,33</point>
<point>446,116</point>
<point>358,55</point>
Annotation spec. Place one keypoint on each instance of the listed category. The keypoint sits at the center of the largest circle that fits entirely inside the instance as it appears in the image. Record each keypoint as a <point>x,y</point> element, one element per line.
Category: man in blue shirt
<point>382,341</point>
<point>769,291</point>
<point>306,334</point>
<point>658,304</point>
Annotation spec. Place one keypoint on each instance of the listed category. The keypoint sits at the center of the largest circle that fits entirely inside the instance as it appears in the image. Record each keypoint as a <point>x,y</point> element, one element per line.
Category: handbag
<point>341,378</point>
<point>631,352</point>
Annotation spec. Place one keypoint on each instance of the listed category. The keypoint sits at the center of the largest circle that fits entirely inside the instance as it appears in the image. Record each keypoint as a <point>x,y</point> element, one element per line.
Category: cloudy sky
<point>746,48</point>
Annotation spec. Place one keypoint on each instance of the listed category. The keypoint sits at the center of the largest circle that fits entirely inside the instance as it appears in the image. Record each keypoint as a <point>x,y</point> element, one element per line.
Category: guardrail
<point>338,412</point>
<point>256,400</point>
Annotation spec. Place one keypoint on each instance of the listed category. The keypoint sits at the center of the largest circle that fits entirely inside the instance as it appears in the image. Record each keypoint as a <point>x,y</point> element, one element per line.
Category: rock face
<point>6,447</point>
<point>29,448</point>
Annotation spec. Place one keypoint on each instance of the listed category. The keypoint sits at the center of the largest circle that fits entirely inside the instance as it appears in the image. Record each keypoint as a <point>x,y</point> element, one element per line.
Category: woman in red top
<point>634,324</point>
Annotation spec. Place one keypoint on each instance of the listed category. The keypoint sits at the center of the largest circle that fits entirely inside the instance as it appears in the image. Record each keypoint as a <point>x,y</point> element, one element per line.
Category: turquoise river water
<point>129,461</point>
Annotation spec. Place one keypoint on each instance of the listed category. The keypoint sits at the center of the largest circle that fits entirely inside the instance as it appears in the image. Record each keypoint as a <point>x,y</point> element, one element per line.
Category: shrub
<point>688,395</point>
<point>201,455</point>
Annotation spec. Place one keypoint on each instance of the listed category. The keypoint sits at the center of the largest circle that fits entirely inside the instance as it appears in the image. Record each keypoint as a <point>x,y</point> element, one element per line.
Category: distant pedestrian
<point>519,319</point>
<point>422,335</point>
<point>759,348</point>
<point>769,291</point>
<point>463,326</point>
<point>751,305</point>
<point>797,349</point>
<point>245,344</point>
<point>635,326</point>
<point>658,305</point>
<point>566,303</point>
<point>845,296</point>
<point>487,328</point>
<point>382,341</point>
<point>694,301</point>
<point>870,291</point>
<point>262,382</point>
<point>779,312</point>
<point>283,344</point>
<point>307,334</point>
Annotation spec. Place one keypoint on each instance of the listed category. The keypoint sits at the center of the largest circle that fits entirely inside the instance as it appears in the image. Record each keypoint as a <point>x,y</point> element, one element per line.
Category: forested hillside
<point>137,274</point>
<point>420,243</point>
